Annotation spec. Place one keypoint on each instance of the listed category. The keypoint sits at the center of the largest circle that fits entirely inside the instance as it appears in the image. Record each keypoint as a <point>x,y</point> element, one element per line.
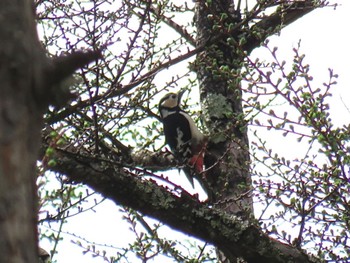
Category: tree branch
<point>179,29</point>
<point>64,66</point>
<point>58,70</point>
<point>285,14</point>
<point>154,161</point>
<point>120,90</point>
<point>233,235</point>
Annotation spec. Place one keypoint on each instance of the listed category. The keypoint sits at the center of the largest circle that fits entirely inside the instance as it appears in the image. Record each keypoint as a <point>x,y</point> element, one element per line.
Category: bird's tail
<point>195,169</point>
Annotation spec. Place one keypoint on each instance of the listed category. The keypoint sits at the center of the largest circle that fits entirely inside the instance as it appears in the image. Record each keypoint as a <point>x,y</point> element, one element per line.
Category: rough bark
<point>229,145</point>
<point>228,151</point>
<point>25,91</point>
<point>227,154</point>
<point>232,233</point>
<point>20,122</point>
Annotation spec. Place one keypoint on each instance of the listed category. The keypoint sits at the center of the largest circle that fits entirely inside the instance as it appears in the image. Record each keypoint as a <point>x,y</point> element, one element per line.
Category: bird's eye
<point>173,96</point>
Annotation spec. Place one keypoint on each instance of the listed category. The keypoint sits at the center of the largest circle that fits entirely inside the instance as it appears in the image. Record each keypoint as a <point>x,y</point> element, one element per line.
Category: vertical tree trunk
<point>21,60</point>
<point>221,99</point>
<point>228,154</point>
<point>29,82</point>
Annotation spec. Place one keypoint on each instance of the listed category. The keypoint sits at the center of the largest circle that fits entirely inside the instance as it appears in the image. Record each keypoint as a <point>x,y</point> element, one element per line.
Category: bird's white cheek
<point>170,103</point>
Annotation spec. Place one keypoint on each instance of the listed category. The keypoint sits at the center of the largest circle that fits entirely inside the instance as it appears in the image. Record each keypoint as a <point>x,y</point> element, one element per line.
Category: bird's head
<point>171,100</point>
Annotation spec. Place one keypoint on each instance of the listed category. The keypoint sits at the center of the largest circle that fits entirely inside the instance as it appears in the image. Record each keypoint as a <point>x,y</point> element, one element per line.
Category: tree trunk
<point>20,122</point>
<point>28,81</point>
<point>220,29</point>
<point>228,158</point>
<point>228,150</point>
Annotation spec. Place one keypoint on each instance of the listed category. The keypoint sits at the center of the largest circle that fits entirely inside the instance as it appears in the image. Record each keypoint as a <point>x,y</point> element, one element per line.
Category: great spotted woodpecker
<point>183,136</point>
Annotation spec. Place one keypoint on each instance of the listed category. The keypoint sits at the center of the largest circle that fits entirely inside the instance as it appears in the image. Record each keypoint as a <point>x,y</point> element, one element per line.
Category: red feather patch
<point>197,160</point>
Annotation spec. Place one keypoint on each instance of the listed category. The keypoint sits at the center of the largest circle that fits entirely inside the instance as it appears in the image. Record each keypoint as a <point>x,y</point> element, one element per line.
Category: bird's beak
<point>179,95</point>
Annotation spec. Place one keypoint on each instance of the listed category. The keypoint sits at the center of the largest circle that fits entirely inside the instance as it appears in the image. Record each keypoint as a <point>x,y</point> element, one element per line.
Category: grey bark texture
<point>21,63</point>
<point>233,234</point>
<point>26,90</point>
<point>221,97</point>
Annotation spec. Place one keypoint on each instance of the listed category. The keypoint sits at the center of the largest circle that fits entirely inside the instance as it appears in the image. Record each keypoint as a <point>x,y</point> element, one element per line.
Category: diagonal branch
<point>54,91</point>
<point>179,29</point>
<point>233,235</point>
<point>120,90</point>
<point>285,14</point>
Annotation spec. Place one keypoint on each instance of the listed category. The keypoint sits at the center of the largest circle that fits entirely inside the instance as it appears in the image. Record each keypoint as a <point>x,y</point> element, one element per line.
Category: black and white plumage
<point>182,135</point>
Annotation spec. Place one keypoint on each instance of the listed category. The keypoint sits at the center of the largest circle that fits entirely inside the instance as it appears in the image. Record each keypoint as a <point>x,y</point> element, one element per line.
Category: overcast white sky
<point>325,40</point>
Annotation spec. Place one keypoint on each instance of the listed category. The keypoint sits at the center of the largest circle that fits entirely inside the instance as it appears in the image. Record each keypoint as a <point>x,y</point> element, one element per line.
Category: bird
<point>185,140</point>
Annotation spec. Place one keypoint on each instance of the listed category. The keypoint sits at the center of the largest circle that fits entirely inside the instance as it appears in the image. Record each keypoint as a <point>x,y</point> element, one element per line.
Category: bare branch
<point>179,29</point>
<point>64,66</point>
<point>117,91</point>
<point>234,236</point>
<point>286,14</point>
